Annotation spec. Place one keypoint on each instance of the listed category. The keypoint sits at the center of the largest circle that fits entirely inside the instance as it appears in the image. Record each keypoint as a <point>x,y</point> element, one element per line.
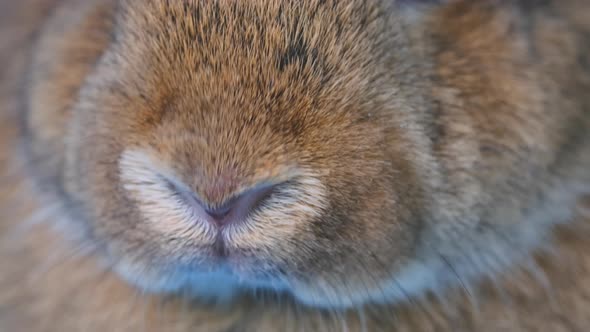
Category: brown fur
<point>435,134</point>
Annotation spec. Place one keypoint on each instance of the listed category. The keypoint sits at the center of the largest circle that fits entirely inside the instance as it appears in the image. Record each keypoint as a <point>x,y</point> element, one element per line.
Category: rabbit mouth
<point>244,242</point>
<point>218,282</point>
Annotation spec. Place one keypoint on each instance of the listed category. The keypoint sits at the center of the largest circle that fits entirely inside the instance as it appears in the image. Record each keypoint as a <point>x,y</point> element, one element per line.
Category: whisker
<point>536,272</point>
<point>21,229</point>
<point>59,257</point>
<point>372,276</point>
<point>454,272</point>
<point>470,292</point>
<point>334,320</point>
<point>148,308</point>
<point>343,322</point>
<point>504,297</point>
<point>403,291</point>
<point>90,281</point>
<point>321,319</point>
<point>449,309</point>
<point>138,298</point>
<point>14,169</point>
<point>529,264</point>
<point>362,319</point>
<point>159,319</point>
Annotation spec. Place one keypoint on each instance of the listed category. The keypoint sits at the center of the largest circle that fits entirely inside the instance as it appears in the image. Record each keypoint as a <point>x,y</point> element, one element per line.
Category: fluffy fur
<point>421,156</point>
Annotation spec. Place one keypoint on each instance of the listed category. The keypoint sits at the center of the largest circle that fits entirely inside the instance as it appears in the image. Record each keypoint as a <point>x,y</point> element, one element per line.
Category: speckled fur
<point>433,154</point>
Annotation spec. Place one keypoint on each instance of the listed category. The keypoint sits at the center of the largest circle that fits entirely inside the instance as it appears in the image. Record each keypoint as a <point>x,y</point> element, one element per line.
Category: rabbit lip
<point>220,249</point>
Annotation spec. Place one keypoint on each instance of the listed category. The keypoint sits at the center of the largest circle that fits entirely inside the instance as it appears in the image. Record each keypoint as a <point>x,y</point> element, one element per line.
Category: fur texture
<point>424,160</point>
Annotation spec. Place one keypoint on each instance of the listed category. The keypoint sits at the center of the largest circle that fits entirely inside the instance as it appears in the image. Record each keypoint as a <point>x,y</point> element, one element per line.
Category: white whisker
<point>362,319</point>
<point>21,229</point>
<point>59,257</point>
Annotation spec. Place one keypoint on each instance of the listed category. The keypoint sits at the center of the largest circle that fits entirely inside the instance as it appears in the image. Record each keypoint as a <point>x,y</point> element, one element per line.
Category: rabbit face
<point>230,155</point>
<point>339,152</point>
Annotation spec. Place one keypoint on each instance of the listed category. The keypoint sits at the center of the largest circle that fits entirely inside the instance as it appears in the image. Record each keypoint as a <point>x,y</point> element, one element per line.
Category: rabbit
<point>310,165</point>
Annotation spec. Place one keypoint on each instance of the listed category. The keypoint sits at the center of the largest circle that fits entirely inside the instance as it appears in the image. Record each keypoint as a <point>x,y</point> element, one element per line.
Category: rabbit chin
<point>218,286</point>
<point>221,286</point>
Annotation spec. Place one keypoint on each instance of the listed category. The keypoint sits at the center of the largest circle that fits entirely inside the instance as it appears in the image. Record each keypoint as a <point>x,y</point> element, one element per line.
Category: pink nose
<point>235,209</point>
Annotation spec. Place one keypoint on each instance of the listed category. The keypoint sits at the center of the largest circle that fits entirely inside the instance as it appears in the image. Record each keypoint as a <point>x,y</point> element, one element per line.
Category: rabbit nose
<point>220,212</point>
<point>238,208</point>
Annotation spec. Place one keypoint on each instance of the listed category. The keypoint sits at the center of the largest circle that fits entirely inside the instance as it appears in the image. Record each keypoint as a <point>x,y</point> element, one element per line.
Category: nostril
<point>219,212</point>
<point>233,210</point>
<point>238,208</point>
